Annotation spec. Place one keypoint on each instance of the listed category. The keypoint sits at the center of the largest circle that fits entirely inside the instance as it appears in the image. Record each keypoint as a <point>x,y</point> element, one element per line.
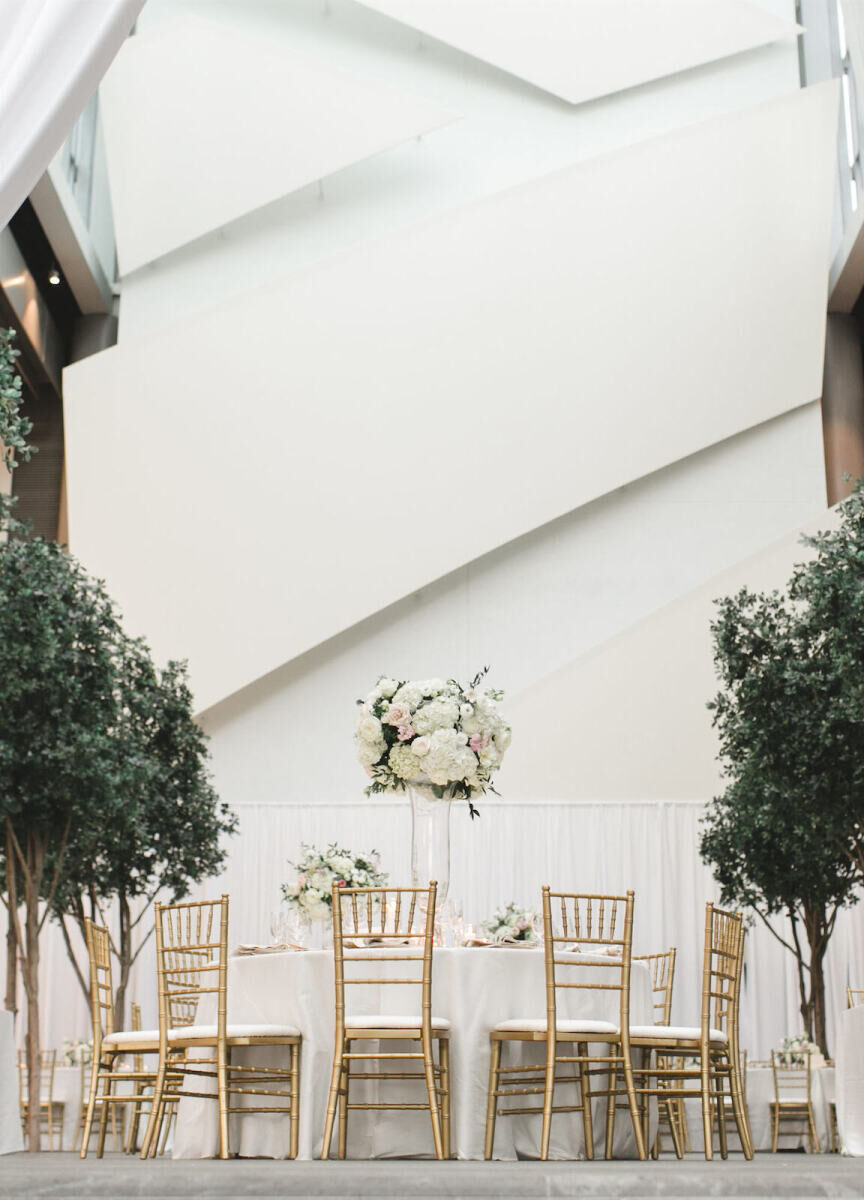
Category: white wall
<point>559,598</point>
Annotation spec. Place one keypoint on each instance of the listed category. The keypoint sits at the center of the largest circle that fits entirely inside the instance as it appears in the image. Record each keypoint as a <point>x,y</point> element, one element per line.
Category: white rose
<point>387,687</point>
<point>420,746</point>
<point>369,729</point>
<point>369,752</point>
<point>466,710</point>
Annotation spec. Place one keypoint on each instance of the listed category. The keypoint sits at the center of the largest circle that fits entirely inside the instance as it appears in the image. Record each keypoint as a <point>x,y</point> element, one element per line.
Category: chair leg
<point>634,1107</point>
<point>107,1109</point>
<point>739,1108</point>
<point>548,1095</point>
<point>720,1109</point>
<point>612,1088</point>
<point>294,1088</point>
<point>707,1115</point>
<point>495,1048</point>
<point>222,1053</point>
<point>333,1098</point>
<point>775,1127</point>
<point>344,1092</point>
<point>444,1063</point>
<point>814,1137</point>
<point>675,1111</point>
<point>150,1133</point>
<point>429,1069</point>
<point>585,1097</point>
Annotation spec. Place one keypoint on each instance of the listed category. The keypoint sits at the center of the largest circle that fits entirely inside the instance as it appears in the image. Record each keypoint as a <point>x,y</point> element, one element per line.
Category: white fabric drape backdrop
<point>507,854</point>
<point>52,55</point>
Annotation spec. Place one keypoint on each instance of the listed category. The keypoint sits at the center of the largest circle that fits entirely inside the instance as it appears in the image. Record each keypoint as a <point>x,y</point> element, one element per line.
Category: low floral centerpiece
<point>439,740</point>
<point>311,892</point>
<point>793,1051</point>
<point>512,924</point>
<point>77,1053</point>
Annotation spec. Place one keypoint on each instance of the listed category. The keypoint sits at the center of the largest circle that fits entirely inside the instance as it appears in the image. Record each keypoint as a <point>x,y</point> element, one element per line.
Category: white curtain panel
<point>53,54</point>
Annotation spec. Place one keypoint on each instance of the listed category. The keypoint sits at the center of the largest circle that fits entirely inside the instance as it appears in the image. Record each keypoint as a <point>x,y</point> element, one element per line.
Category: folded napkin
<point>281,948</point>
<point>596,951</point>
<point>505,945</point>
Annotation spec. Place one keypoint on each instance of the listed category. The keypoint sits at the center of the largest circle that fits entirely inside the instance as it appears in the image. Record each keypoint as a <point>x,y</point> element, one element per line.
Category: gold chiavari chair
<point>854,997</point>
<point>792,1099</point>
<point>712,1046</point>
<point>51,1111</point>
<point>83,1099</point>
<point>604,922</point>
<point>140,1089</point>
<point>192,965</point>
<point>109,1046</point>
<point>373,927</point>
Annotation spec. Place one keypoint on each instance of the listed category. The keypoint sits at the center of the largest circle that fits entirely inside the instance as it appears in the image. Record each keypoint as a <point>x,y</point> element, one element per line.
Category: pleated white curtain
<point>508,854</point>
<point>53,54</point>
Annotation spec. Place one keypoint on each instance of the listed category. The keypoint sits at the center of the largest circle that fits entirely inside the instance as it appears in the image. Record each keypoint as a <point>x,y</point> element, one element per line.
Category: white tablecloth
<point>11,1139</point>
<point>473,988</point>
<point>850,1081</point>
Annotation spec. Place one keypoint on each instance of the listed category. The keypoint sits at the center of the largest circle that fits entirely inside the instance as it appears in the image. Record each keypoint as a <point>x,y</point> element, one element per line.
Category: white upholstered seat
<point>377,1021</point>
<point>204,1032</point>
<point>131,1039</point>
<point>538,1025</point>
<point>683,1033</point>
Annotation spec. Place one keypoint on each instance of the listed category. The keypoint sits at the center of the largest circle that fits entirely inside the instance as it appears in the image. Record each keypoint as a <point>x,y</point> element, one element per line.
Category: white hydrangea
<point>369,729</point>
<point>404,763</point>
<point>440,713</point>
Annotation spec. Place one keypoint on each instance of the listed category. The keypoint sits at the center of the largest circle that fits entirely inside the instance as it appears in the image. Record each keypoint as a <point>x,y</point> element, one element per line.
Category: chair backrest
<point>721,973</point>
<point>101,984</point>
<point>47,1063</point>
<point>191,962</point>
<point>597,925</point>
<point>373,926</point>
<point>791,1083</point>
<point>854,997</point>
<point>662,968</point>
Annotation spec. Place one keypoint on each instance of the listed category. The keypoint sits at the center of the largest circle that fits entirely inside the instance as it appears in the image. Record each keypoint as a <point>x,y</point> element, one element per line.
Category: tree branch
<point>55,882</point>
<point>144,942</point>
<point>774,932</point>
<point>84,985</point>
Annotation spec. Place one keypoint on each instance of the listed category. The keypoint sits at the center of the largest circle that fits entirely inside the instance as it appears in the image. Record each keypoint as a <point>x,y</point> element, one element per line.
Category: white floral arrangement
<point>512,924</point>
<point>432,733</point>
<point>77,1053</point>
<point>793,1050</point>
<point>311,893</point>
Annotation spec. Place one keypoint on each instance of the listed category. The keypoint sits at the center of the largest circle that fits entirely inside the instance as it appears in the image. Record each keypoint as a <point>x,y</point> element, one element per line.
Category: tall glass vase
<point>430,839</point>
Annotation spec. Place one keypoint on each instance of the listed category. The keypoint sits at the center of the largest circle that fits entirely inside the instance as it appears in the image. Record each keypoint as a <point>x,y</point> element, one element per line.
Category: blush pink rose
<point>397,714</point>
<point>479,742</point>
<point>405,733</point>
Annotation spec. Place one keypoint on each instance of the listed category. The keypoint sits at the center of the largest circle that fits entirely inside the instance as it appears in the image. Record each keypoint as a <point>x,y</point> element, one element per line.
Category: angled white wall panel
<point>628,721</point>
<point>204,124</point>
<point>582,49</point>
<point>267,475</point>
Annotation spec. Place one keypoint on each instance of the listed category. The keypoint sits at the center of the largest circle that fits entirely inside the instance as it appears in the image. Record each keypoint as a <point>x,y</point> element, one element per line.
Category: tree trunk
<point>817,937</point>
<point>11,967</point>
<point>30,973</point>
<point>125,958</point>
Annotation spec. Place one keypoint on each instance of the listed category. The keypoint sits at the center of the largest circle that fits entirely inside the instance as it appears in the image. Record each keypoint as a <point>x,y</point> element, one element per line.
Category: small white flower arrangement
<point>77,1053</point>
<point>793,1051</point>
<point>512,924</point>
<point>311,892</point>
<point>433,733</point>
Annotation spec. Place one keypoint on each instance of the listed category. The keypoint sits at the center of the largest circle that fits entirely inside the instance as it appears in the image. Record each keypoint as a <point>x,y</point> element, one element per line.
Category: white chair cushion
<point>684,1033</point>
<point>377,1021</point>
<point>128,1037</point>
<point>538,1025</point>
<point>203,1032</point>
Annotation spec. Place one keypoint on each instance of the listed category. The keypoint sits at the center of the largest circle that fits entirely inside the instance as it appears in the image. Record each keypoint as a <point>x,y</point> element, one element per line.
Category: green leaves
<point>787,835</point>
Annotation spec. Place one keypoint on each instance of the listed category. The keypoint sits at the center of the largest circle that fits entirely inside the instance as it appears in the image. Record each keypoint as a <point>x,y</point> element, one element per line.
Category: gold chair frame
<point>50,1110</point>
<point>191,947</point>
<point>108,1045</point>
<point>795,1079</point>
<point>854,997</point>
<point>717,1059</point>
<point>400,922</point>
<point>590,919</point>
<point>662,969</point>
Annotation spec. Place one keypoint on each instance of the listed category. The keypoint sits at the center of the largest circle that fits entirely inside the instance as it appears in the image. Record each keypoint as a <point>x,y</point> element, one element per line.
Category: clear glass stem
<point>430,841</point>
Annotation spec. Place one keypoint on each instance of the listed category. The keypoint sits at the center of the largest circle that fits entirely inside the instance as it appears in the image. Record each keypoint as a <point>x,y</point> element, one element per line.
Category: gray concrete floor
<point>797,1176</point>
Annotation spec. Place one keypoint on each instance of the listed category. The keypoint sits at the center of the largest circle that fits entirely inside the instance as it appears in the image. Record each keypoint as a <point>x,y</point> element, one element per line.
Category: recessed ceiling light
<point>54,277</point>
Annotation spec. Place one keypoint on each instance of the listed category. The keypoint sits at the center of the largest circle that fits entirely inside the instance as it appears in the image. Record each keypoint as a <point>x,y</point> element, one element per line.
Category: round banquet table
<point>474,989</point>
